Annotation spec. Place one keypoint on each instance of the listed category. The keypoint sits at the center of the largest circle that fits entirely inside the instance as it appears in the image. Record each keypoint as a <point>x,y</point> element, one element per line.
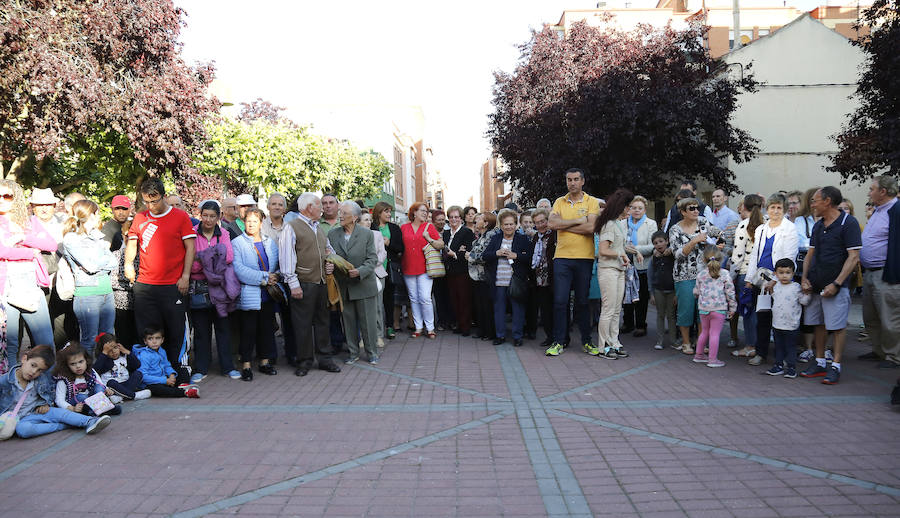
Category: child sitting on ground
<point>662,288</point>
<point>118,368</point>
<point>159,376</point>
<point>716,302</point>
<point>28,390</point>
<point>76,381</point>
<point>787,301</point>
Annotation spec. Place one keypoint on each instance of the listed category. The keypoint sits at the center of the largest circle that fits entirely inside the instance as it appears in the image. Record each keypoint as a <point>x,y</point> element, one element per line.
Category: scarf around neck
<point>633,228</point>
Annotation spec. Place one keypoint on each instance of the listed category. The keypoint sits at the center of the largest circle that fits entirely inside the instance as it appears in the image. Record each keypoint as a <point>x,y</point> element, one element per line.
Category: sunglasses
<point>8,196</point>
<point>692,208</point>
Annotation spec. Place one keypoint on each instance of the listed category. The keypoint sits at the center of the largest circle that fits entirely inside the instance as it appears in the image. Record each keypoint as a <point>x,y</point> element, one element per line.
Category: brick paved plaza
<point>458,427</point>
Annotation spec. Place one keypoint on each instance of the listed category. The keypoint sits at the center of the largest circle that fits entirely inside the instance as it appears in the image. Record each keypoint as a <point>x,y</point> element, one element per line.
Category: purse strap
<point>15,411</point>
<point>261,262</point>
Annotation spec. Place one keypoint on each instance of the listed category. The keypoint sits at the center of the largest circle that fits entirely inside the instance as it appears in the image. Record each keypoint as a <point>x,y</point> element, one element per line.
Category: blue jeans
<point>96,314</point>
<point>568,275</point>
<point>37,322</point>
<point>750,320</point>
<point>501,294</point>
<point>785,347</point>
<point>54,420</point>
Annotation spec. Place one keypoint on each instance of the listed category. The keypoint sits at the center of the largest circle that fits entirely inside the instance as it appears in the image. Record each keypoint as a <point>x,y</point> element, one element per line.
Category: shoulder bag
<point>434,265</point>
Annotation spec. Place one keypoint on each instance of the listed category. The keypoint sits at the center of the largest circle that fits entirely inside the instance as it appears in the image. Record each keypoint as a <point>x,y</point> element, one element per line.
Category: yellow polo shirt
<point>570,245</point>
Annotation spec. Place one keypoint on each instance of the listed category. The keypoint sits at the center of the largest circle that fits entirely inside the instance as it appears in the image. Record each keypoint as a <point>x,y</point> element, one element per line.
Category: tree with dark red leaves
<point>640,109</point>
<point>869,143</point>
<point>102,80</point>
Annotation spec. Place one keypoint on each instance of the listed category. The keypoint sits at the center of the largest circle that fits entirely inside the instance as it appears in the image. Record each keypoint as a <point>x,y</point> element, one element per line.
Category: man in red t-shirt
<point>165,238</point>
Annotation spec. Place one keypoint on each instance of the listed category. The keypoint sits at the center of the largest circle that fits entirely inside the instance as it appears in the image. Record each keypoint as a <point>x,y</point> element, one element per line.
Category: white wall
<point>806,68</point>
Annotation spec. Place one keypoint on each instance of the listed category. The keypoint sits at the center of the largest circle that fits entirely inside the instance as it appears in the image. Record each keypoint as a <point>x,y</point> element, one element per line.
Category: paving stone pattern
<point>458,427</point>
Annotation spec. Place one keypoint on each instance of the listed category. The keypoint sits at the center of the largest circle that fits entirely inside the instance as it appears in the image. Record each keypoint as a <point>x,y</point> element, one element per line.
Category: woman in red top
<point>416,235</point>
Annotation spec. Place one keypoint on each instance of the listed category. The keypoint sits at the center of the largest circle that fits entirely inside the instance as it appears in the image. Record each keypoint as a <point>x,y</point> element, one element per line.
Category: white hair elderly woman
<point>359,290</point>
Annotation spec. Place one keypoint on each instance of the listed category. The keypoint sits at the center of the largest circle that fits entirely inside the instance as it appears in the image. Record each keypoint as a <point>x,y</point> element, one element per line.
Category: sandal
<point>687,349</point>
<point>431,335</point>
<point>416,334</point>
<point>746,352</point>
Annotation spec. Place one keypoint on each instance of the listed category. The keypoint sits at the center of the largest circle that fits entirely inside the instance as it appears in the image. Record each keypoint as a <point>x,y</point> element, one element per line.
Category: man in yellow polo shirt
<point>573,217</point>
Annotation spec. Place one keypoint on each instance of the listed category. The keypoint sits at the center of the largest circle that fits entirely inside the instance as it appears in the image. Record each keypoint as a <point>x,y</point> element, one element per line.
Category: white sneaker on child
<point>142,394</point>
<point>829,356</point>
<point>114,399</point>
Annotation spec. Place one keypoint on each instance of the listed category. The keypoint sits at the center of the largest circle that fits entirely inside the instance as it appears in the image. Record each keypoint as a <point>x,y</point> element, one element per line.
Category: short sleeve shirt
<point>570,245</point>
<point>613,232</point>
<point>413,260</point>
<point>160,241</point>
<point>832,244</point>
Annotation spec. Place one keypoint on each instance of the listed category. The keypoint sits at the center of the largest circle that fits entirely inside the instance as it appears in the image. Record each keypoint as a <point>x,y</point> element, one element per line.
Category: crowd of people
<point>127,308</point>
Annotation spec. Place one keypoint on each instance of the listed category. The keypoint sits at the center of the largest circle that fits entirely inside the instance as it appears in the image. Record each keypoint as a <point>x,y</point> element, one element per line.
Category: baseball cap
<point>245,199</point>
<point>120,200</point>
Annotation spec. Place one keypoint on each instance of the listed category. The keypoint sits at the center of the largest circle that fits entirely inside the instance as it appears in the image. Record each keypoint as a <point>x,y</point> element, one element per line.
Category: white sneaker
<point>829,357</point>
<point>114,399</point>
<point>659,345</point>
<point>806,356</point>
<point>142,394</point>
<point>732,344</point>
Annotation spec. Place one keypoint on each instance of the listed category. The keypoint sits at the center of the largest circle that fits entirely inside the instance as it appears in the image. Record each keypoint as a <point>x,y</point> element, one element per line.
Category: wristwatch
<point>839,285</point>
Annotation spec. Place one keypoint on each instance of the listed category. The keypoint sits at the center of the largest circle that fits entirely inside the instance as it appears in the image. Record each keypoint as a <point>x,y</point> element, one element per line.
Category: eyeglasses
<point>692,208</point>
<point>151,202</point>
<point>8,196</point>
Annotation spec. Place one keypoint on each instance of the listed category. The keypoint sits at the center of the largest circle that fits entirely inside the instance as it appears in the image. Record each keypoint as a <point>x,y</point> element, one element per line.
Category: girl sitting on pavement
<point>119,369</point>
<point>28,392</point>
<point>76,381</point>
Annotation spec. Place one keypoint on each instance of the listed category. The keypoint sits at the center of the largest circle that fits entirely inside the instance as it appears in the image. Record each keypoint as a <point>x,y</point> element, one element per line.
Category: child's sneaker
<point>715,363</point>
<point>829,356</point>
<point>776,370</point>
<point>659,345</point>
<point>806,356</point>
<point>235,375</point>
<point>192,392</point>
<point>142,394</point>
<point>790,372</point>
<point>701,358</point>
<point>114,399</point>
<point>96,424</point>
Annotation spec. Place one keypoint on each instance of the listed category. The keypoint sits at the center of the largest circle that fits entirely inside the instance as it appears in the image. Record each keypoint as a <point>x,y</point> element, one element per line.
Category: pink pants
<point>712,328</point>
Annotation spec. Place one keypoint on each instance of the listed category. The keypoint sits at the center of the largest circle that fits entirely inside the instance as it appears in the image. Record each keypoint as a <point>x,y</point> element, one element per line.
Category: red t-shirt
<point>160,243</point>
<point>413,260</point>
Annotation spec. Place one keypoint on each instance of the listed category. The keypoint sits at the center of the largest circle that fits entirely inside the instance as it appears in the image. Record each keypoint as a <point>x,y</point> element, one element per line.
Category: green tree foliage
<point>277,155</point>
<point>869,143</point>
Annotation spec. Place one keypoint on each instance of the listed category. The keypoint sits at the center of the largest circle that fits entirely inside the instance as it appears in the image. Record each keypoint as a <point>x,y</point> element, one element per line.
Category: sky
<point>438,55</point>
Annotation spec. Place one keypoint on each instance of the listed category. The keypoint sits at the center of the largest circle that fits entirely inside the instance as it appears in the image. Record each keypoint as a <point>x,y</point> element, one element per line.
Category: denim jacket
<point>46,389</point>
<point>89,257</point>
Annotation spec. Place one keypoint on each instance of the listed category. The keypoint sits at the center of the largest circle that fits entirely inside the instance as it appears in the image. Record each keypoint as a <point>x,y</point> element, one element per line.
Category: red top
<point>160,243</point>
<point>413,261</point>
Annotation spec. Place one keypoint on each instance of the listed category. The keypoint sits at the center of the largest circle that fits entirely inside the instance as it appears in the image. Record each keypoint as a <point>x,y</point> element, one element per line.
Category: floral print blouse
<point>687,266</point>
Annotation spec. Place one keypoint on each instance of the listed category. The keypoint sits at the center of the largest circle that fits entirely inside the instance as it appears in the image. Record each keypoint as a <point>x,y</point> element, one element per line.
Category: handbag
<point>518,288</point>
<point>9,420</point>
<point>99,403</point>
<point>200,295</point>
<point>273,290</point>
<point>434,264</point>
<point>21,290</point>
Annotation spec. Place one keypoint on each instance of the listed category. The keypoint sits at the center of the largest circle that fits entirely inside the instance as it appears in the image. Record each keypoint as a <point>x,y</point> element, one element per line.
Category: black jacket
<point>521,264</point>
<point>104,363</point>
<point>891,273</point>
<point>550,252</point>
<point>464,237</point>
<point>395,246</point>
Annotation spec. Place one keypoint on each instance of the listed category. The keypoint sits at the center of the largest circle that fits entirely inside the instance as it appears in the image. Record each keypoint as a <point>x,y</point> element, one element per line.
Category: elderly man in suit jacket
<point>359,291</point>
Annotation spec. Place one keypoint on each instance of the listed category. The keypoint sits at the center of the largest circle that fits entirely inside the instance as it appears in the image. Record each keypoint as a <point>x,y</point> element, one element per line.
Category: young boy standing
<point>787,299</point>
<point>662,287</point>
